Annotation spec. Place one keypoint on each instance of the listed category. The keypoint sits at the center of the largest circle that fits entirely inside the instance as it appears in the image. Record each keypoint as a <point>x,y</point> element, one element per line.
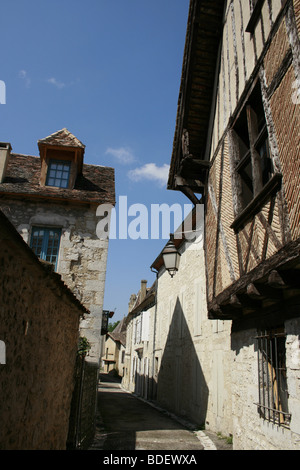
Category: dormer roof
<point>62,138</point>
<point>25,175</point>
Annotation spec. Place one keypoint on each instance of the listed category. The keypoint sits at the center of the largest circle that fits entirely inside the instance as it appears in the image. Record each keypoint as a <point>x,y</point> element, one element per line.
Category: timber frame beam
<point>268,287</point>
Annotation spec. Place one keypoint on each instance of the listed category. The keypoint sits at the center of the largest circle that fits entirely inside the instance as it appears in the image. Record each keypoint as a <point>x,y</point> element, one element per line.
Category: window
<point>45,244</point>
<point>138,329</point>
<point>272,380</point>
<point>58,174</point>
<point>254,165</point>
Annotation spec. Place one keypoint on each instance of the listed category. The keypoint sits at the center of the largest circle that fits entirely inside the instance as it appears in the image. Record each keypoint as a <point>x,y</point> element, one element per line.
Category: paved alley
<point>128,423</point>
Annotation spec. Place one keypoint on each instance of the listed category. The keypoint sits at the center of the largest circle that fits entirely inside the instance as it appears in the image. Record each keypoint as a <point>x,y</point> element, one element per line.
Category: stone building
<point>192,354</point>
<point>176,356</point>
<point>114,349</point>
<point>236,150</point>
<point>139,371</point>
<point>52,200</point>
<point>39,325</point>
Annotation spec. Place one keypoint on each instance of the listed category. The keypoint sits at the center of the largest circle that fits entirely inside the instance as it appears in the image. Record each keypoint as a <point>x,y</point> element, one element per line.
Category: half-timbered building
<point>236,150</point>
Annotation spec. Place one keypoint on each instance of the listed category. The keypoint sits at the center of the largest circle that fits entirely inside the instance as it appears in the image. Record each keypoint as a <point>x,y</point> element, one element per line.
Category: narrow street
<point>127,423</point>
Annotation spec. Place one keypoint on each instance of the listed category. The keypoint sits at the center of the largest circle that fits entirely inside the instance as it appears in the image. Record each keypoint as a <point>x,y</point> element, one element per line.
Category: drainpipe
<point>154,332</point>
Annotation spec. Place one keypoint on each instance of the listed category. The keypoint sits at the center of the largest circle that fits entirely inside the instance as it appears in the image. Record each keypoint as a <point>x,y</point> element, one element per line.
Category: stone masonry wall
<point>250,431</point>
<point>82,255</point>
<point>39,325</point>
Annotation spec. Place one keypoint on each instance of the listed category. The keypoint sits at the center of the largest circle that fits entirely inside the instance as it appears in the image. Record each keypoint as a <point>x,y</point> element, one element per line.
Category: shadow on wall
<point>180,386</point>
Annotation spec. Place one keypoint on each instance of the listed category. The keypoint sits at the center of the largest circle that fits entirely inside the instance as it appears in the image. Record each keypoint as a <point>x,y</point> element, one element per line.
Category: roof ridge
<point>60,133</point>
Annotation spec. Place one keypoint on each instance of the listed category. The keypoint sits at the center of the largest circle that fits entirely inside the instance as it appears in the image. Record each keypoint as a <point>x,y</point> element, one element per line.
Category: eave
<point>273,287</point>
<point>189,163</point>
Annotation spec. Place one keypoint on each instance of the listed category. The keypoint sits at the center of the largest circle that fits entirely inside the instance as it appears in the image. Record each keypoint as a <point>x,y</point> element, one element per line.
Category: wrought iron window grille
<point>272,377</point>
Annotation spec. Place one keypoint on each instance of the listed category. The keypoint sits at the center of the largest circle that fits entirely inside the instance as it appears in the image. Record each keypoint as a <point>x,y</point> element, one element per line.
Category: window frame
<point>58,162</point>
<point>273,395</point>
<point>43,253</point>
<point>249,130</point>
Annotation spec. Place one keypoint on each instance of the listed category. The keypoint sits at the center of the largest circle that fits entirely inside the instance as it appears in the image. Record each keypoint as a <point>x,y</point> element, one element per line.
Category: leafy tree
<point>112,326</point>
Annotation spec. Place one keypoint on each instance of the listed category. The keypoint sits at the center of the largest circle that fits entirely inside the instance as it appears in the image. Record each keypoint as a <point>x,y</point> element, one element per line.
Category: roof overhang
<point>272,287</point>
<point>196,104</point>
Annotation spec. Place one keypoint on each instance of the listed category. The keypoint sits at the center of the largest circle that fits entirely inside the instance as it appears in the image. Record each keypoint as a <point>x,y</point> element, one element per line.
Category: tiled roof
<point>119,333</point>
<point>62,138</point>
<point>144,303</point>
<point>96,184</point>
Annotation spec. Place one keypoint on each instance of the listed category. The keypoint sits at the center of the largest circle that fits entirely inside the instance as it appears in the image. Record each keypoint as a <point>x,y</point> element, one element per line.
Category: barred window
<point>272,380</point>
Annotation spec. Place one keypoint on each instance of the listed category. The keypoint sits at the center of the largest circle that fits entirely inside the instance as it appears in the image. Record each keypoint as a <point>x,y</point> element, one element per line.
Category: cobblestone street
<point>126,422</point>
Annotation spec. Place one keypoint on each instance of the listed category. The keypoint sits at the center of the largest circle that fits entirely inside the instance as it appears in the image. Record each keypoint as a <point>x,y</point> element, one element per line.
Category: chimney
<point>143,289</point>
<point>5,149</point>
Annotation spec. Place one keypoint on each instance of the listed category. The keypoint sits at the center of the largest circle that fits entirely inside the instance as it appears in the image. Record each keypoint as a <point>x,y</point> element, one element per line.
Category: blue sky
<point>109,71</point>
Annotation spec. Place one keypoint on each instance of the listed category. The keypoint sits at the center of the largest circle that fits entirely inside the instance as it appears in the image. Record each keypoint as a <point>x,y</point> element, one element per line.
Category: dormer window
<point>58,174</point>
<point>61,156</point>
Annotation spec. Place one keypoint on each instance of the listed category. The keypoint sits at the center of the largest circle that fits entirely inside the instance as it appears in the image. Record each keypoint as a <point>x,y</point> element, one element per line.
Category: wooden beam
<point>276,281</point>
<point>254,16</point>
<point>253,293</point>
<point>235,302</point>
<point>190,195</point>
<point>194,169</point>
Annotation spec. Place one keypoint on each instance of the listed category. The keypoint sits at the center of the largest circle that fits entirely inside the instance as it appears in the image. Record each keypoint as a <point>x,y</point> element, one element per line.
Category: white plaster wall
<point>193,352</point>
<point>250,431</point>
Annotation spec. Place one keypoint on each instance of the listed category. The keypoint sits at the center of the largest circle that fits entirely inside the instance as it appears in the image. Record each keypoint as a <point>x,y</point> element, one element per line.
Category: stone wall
<point>192,353</point>
<point>82,255</point>
<point>139,370</point>
<point>251,432</point>
<point>110,355</point>
<point>39,324</point>
<point>185,365</point>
